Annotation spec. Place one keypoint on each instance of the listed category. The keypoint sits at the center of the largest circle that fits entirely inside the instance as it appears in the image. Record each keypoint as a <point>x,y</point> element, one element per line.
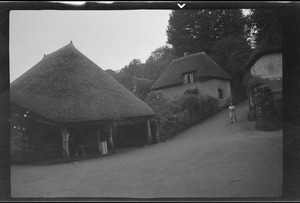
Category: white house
<point>195,71</point>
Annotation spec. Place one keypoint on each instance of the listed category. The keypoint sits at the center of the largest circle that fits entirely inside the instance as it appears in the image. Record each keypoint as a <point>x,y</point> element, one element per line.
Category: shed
<point>68,89</point>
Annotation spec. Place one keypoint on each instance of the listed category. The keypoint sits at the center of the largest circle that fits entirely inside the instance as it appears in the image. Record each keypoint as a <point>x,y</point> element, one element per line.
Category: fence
<point>277,95</point>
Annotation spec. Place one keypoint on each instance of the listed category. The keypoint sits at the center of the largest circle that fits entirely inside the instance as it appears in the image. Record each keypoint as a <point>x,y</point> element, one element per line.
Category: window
<point>188,78</point>
<point>221,93</point>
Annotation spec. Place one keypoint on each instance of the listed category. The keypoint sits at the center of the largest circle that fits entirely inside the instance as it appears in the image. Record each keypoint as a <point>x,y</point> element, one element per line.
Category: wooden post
<point>149,136</point>
<point>98,134</point>
<point>110,138</point>
<point>65,142</point>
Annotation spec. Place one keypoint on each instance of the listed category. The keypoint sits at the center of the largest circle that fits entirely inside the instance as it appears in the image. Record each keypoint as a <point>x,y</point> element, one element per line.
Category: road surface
<point>212,159</point>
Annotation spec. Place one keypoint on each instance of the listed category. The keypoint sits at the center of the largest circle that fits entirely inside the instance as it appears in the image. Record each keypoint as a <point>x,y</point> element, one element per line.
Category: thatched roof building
<point>68,90</point>
<point>144,83</point>
<point>200,63</point>
<point>66,86</point>
<point>263,48</point>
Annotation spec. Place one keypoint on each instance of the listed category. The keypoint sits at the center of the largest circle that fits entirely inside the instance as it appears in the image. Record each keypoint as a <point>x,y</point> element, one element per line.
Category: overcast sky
<point>111,39</point>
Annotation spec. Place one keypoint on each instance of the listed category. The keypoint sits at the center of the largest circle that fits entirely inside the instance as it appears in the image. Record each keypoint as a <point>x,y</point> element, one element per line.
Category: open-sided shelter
<point>66,89</point>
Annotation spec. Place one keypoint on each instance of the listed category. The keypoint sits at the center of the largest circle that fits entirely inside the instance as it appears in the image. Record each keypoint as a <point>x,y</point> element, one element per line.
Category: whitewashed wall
<point>209,87</point>
<point>268,66</point>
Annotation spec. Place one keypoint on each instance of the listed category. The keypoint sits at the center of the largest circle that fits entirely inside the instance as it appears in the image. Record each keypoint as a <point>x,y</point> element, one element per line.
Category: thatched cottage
<point>195,71</point>
<point>67,90</point>
<point>266,63</point>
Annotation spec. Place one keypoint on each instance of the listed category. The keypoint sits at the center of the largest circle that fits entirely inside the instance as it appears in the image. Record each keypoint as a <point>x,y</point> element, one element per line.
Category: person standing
<point>232,114</point>
<point>102,142</point>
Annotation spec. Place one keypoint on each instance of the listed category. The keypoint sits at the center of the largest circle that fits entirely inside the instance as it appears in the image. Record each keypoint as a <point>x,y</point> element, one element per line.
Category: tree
<point>158,61</point>
<point>123,78</point>
<point>133,68</point>
<point>222,34</point>
<point>231,54</point>
<point>193,31</point>
<point>151,69</point>
<point>111,72</point>
<point>267,24</point>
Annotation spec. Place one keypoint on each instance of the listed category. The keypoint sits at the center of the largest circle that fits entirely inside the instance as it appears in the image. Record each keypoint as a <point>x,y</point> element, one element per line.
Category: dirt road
<point>212,159</point>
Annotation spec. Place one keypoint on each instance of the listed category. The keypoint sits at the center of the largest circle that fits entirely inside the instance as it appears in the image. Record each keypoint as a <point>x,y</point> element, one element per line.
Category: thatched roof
<point>66,86</point>
<point>144,83</point>
<point>263,48</point>
<point>201,63</point>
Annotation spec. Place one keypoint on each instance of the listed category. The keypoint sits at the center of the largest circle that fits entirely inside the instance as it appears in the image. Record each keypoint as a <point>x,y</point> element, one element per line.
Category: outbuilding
<point>84,103</point>
<point>264,72</point>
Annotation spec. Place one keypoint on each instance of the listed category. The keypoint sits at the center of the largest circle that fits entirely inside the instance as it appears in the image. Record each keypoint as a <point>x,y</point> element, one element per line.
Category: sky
<point>111,39</point>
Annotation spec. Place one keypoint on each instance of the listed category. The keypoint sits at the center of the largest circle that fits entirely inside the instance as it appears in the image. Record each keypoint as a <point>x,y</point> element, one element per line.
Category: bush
<point>191,91</point>
<point>175,117</point>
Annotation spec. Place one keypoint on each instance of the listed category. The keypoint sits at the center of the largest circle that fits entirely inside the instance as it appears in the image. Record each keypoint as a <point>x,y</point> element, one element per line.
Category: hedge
<point>176,116</point>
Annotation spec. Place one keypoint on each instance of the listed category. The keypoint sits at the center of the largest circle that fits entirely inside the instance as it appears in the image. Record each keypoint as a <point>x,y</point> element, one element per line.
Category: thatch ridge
<point>200,63</point>
<point>144,83</point>
<point>66,86</point>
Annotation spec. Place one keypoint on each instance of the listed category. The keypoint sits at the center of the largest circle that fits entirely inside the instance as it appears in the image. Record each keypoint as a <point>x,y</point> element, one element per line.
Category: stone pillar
<point>110,138</point>
<point>149,136</point>
<point>65,142</point>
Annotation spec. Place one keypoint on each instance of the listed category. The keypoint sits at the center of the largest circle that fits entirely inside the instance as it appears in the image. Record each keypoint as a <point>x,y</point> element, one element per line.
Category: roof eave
<point>165,86</point>
<point>257,56</point>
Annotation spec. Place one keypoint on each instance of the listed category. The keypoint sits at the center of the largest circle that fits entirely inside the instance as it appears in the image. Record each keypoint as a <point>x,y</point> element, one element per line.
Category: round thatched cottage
<point>67,90</point>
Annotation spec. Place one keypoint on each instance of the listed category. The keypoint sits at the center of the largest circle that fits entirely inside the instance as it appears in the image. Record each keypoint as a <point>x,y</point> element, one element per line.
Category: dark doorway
<point>131,134</point>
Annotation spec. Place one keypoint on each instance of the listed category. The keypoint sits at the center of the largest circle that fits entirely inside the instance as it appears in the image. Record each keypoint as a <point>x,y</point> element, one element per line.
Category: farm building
<point>141,86</point>
<point>82,104</point>
<point>197,71</point>
<point>264,77</point>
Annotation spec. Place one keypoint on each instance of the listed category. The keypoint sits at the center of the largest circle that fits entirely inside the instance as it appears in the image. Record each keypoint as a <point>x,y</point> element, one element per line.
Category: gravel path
<point>213,159</point>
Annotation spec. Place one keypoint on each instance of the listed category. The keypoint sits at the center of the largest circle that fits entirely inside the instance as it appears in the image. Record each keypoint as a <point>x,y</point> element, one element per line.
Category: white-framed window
<point>188,78</point>
<point>221,94</point>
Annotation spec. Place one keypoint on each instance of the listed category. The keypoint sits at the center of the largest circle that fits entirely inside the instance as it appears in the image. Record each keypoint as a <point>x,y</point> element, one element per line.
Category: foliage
<point>20,129</point>
<point>197,30</point>
<point>255,81</point>
<point>134,68</point>
<point>31,141</point>
<point>231,54</point>
<point>223,34</point>
<point>123,78</point>
<point>158,61</point>
<point>157,102</point>
<point>267,24</point>
<point>191,91</point>
<point>154,66</point>
<point>175,117</point>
